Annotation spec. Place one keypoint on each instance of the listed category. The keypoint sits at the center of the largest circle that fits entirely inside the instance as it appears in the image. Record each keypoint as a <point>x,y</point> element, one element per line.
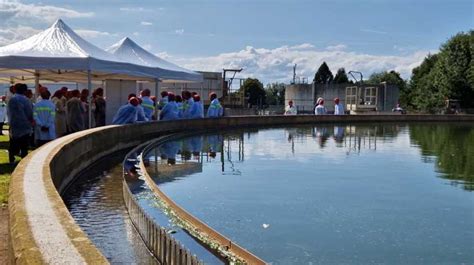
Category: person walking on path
<point>59,100</point>
<point>99,107</point>
<point>197,110</point>
<point>291,109</point>
<point>170,110</point>
<point>127,114</point>
<point>44,113</point>
<point>188,103</point>
<point>179,103</point>
<point>320,109</point>
<point>20,116</point>
<point>338,108</point>
<point>75,112</point>
<point>215,108</point>
<point>148,104</point>
<point>3,112</point>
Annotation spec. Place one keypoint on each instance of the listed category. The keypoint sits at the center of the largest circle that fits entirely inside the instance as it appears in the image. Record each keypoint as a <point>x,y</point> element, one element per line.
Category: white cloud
<point>140,9</point>
<point>136,33</point>
<point>303,46</point>
<point>14,34</point>
<point>134,9</point>
<point>338,47</point>
<point>11,10</point>
<point>86,33</point>
<point>146,23</point>
<point>270,65</point>
<point>163,55</point>
<point>374,31</point>
<point>179,31</point>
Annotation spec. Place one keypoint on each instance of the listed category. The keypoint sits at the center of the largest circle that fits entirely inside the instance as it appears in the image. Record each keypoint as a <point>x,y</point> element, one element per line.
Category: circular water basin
<point>356,194</point>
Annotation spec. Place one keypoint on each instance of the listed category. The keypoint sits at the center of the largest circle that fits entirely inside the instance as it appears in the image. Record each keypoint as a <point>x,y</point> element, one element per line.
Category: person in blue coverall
<point>127,114</point>
<point>179,103</point>
<point>170,110</point>
<point>215,108</point>
<point>188,103</point>
<point>197,110</point>
<point>163,101</point>
<point>44,113</point>
<point>147,103</point>
<point>141,117</point>
<point>20,117</point>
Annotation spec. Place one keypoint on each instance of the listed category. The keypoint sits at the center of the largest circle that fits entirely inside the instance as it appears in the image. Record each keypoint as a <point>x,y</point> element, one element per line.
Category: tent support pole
<point>157,91</point>
<point>36,84</point>
<point>157,88</point>
<point>89,87</point>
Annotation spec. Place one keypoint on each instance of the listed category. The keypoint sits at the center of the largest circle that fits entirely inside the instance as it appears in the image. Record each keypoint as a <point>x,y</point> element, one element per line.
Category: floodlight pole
<point>89,87</point>
<point>225,89</point>
<point>359,73</point>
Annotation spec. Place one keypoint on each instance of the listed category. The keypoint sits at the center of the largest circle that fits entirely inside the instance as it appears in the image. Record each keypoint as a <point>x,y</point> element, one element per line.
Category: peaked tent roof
<point>59,54</point>
<point>129,51</point>
<point>57,41</point>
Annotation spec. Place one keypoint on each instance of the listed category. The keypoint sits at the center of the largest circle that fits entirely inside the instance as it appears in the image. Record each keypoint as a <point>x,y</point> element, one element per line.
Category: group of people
<point>37,121</point>
<point>33,122</point>
<point>319,108</point>
<point>145,108</point>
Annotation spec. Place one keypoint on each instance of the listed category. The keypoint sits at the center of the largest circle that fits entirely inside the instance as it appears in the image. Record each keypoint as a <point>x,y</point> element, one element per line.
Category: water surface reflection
<point>353,194</point>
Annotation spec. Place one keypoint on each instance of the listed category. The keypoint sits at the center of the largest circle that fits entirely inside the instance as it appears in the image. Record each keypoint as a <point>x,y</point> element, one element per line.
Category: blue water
<point>365,194</point>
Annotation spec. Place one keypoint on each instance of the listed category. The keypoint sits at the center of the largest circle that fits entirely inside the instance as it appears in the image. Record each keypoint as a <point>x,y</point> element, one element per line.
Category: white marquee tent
<point>58,54</point>
<point>129,51</point>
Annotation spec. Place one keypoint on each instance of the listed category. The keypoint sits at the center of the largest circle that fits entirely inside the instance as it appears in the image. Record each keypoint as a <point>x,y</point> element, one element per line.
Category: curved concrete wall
<point>41,228</point>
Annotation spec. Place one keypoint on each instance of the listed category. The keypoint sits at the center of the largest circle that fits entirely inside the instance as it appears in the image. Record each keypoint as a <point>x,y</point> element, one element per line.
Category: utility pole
<point>294,74</point>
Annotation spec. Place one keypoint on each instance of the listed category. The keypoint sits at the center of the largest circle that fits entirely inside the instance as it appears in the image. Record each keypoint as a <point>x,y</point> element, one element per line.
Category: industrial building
<point>355,98</point>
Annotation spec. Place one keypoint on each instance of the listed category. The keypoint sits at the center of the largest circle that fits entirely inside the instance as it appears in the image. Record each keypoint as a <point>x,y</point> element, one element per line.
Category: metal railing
<point>163,246</point>
<point>196,227</point>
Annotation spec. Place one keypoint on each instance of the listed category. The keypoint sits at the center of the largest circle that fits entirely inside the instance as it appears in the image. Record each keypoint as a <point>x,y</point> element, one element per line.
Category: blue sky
<point>264,37</point>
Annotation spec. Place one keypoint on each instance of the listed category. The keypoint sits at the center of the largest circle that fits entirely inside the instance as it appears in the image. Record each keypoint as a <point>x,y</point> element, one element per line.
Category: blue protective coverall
<point>188,106</point>
<point>126,114</point>
<point>196,110</point>
<point>215,109</point>
<point>44,113</point>
<point>148,107</point>
<point>141,114</point>
<point>169,112</point>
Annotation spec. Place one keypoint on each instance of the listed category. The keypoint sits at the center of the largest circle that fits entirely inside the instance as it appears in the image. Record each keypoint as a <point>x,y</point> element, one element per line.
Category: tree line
<point>449,74</point>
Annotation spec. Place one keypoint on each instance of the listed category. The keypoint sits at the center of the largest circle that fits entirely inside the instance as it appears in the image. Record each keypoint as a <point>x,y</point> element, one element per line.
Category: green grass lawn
<point>5,168</point>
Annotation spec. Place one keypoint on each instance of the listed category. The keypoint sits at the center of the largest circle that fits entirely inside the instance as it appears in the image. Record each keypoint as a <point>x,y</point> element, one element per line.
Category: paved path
<point>3,234</point>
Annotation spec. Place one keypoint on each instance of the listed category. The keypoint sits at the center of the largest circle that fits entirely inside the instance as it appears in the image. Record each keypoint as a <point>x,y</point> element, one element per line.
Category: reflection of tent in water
<point>167,173</point>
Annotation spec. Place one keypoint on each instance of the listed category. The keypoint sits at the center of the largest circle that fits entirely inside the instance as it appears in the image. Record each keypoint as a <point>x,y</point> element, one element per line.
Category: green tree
<point>253,90</point>
<point>275,94</point>
<point>421,94</point>
<point>392,78</point>
<point>451,72</point>
<point>323,75</point>
<point>341,77</point>
<point>448,74</point>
